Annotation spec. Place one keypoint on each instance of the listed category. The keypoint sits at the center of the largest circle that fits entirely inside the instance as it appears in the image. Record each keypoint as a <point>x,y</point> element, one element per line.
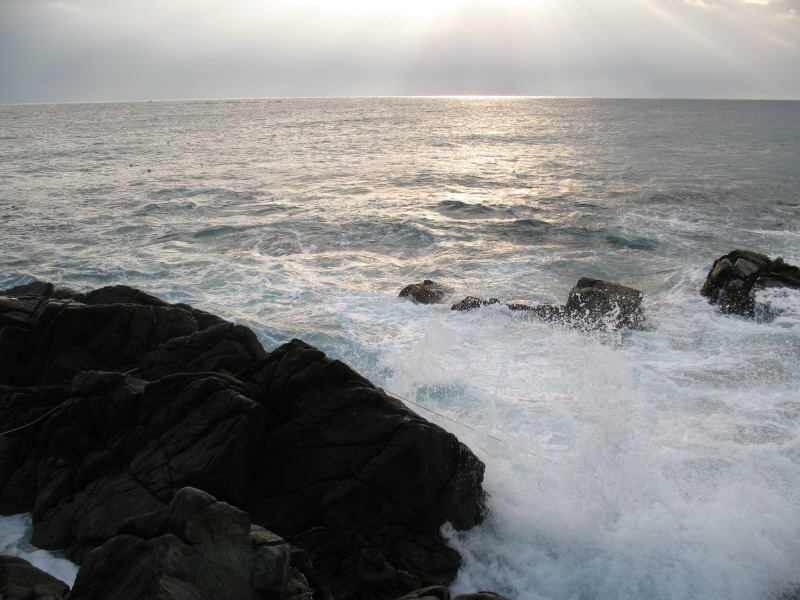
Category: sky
<point>119,50</point>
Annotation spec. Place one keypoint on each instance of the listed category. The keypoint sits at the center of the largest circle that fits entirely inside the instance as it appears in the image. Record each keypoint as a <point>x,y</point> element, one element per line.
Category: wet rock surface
<point>427,292</point>
<point>604,305</point>
<point>735,279</point>
<point>592,304</point>
<point>119,400</point>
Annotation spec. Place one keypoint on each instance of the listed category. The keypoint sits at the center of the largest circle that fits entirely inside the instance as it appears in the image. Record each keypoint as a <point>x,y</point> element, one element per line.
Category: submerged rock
<point>120,406</point>
<point>735,280</point>
<point>592,304</point>
<point>427,292</point>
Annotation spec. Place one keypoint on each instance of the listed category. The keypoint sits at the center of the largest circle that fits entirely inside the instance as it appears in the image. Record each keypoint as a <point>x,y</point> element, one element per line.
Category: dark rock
<point>48,341</point>
<point>42,289</point>
<point>311,449</point>
<point>385,564</point>
<point>731,279</point>
<point>225,348</point>
<point>68,294</point>
<point>598,304</point>
<point>442,593</point>
<point>23,408</point>
<point>427,292</point>
<point>35,288</point>
<point>204,319</point>
<point>122,294</point>
<point>19,580</point>
<point>736,278</point>
<point>195,548</point>
<point>592,304</point>
<point>480,596</point>
<point>471,302</point>
<point>552,313</point>
<point>430,593</point>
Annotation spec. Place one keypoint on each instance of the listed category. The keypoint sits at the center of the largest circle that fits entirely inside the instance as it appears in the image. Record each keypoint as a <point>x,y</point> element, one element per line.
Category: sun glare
<point>413,8</point>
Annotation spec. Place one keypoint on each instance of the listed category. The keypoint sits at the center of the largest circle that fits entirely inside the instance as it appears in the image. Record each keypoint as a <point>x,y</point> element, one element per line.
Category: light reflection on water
<point>659,464</point>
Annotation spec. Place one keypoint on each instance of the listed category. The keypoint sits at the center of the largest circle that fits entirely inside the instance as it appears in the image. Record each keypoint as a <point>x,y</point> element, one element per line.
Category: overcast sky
<point>97,50</point>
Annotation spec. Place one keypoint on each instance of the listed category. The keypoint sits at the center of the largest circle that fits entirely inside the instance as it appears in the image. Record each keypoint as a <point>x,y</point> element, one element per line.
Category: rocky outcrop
<point>427,292</point>
<point>471,302</point>
<point>19,580</point>
<point>49,340</point>
<point>734,281</point>
<point>118,401</point>
<point>195,548</point>
<point>592,304</point>
<point>598,304</point>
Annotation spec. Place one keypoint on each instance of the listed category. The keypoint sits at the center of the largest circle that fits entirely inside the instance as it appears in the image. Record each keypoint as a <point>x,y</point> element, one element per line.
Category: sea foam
<point>15,538</point>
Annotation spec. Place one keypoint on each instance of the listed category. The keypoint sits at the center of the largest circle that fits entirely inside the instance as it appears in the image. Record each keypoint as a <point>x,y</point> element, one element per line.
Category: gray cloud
<point>88,50</point>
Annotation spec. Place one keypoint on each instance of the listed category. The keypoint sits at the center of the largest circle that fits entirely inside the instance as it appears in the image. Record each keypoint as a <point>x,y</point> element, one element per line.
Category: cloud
<point>75,50</point>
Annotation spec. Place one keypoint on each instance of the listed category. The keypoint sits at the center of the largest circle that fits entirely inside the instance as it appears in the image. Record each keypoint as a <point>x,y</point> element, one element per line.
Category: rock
<point>42,289</point>
<point>480,596</point>
<point>385,564</point>
<point>442,593</point>
<point>427,292</point>
<point>47,341</point>
<point>224,348</point>
<point>592,304</point>
<point>735,279</point>
<point>121,406</point>
<point>35,288</point>
<point>26,408</point>
<point>598,304</point>
<point>19,580</point>
<point>68,294</point>
<point>194,548</point>
<point>430,593</point>
<point>471,302</point>
<point>551,313</point>
<point>122,294</point>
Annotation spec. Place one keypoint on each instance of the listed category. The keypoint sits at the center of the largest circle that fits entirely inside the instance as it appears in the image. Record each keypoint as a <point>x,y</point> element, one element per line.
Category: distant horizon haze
<point>93,51</point>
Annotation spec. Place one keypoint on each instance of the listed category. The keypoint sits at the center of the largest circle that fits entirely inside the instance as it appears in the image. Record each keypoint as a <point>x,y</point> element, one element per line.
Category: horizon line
<point>409,96</point>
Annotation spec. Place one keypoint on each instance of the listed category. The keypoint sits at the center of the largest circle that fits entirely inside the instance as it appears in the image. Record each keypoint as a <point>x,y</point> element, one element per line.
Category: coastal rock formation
<point>471,302</point>
<point>195,548</point>
<point>598,304</point>
<point>427,292</point>
<point>19,580</point>
<point>591,304</point>
<point>735,280</point>
<point>114,401</point>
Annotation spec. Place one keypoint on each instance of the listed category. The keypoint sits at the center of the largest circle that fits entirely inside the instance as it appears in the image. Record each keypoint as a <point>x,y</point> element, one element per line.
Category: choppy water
<point>654,464</point>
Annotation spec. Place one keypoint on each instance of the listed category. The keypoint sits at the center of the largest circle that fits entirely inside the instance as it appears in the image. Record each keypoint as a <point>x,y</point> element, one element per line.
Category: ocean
<point>655,464</point>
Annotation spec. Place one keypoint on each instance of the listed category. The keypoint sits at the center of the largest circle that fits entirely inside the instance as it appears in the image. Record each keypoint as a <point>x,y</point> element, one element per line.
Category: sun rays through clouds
<point>117,50</point>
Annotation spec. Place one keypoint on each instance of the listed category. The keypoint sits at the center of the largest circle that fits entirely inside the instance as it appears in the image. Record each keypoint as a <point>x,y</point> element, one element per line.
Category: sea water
<point>660,464</point>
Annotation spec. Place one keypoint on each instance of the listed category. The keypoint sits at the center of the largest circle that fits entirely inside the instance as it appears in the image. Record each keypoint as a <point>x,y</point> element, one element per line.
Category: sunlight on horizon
<point>412,8</point>
<point>254,48</point>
